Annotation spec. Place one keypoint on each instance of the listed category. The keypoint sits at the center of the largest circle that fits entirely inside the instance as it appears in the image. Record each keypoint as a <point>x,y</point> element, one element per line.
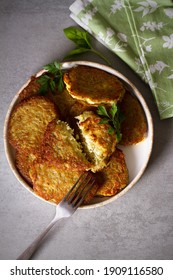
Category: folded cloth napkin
<point>140,32</point>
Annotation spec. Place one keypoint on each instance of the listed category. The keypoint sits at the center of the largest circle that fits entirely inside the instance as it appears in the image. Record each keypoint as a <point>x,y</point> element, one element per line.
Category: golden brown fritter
<point>93,85</point>
<point>79,107</point>
<point>99,144</point>
<point>28,122</point>
<point>64,102</point>
<point>61,148</point>
<point>52,183</point>
<point>31,89</point>
<point>70,107</point>
<point>23,163</point>
<point>134,127</point>
<point>114,177</point>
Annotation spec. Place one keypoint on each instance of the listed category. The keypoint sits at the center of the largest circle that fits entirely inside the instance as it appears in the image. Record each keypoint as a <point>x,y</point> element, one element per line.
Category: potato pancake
<point>52,183</point>
<point>98,143</point>
<point>31,89</point>
<point>114,177</point>
<point>64,101</point>
<point>134,127</point>
<point>23,163</point>
<point>93,85</point>
<point>28,123</point>
<point>61,148</point>
<point>79,107</point>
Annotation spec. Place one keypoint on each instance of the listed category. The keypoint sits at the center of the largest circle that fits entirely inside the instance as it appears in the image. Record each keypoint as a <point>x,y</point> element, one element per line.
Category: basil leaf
<point>77,51</point>
<point>72,33</point>
<point>87,38</point>
<point>80,38</point>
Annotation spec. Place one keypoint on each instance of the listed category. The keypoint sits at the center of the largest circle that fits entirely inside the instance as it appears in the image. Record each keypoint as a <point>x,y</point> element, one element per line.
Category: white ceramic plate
<point>137,156</point>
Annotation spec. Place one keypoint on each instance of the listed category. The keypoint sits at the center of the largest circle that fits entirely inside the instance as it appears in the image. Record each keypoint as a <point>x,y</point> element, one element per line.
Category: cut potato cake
<point>61,149</point>
<point>98,143</point>
<point>93,85</point>
<point>114,177</point>
<point>52,183</point>
<point>28,123</point>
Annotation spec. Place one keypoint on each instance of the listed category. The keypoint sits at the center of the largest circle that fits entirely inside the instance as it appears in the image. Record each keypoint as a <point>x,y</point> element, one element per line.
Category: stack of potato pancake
<point>59,136</point>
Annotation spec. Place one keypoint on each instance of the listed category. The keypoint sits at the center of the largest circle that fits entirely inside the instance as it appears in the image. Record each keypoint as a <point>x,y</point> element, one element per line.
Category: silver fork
<point>64,209</point>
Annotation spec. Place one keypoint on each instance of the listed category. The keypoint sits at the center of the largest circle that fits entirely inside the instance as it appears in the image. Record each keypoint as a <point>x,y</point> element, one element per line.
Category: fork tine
<point>70,195</point>
<point>81,199</point>
<point>77,194</point>
<point>85,183</point>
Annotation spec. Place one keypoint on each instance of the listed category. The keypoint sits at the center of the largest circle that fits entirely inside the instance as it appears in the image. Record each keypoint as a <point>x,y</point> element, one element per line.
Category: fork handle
<point>35,244</point>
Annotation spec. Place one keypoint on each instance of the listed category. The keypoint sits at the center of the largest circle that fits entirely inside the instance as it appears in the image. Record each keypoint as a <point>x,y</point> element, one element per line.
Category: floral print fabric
<point>141,34</point>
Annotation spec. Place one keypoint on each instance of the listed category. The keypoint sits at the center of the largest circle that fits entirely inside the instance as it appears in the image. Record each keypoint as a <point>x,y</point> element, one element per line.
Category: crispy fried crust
<point>134,127</point>
<point>52,183</point>
<point>31,89</point>
<point>23,163</point>
<point>79,107</point>
<point>64,102</point>
<point>69,108</point>
<point>28,122</point>
<point>61,148</point>
<point>114,177</point>
<point>93,85</point>
<point>99,144</point>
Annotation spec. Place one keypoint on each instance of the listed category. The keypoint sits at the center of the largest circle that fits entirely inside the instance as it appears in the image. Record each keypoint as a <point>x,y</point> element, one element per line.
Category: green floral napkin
<point>140,32</point>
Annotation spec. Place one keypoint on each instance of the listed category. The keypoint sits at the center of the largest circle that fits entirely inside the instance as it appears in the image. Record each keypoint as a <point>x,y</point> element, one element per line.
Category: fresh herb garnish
<point>114,117</point>
<point>50,81</point>
<point>82,39</point>
<point>54,77</point>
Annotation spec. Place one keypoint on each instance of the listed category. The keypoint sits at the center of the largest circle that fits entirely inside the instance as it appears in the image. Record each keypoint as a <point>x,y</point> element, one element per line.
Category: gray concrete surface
<point>138,225</point>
